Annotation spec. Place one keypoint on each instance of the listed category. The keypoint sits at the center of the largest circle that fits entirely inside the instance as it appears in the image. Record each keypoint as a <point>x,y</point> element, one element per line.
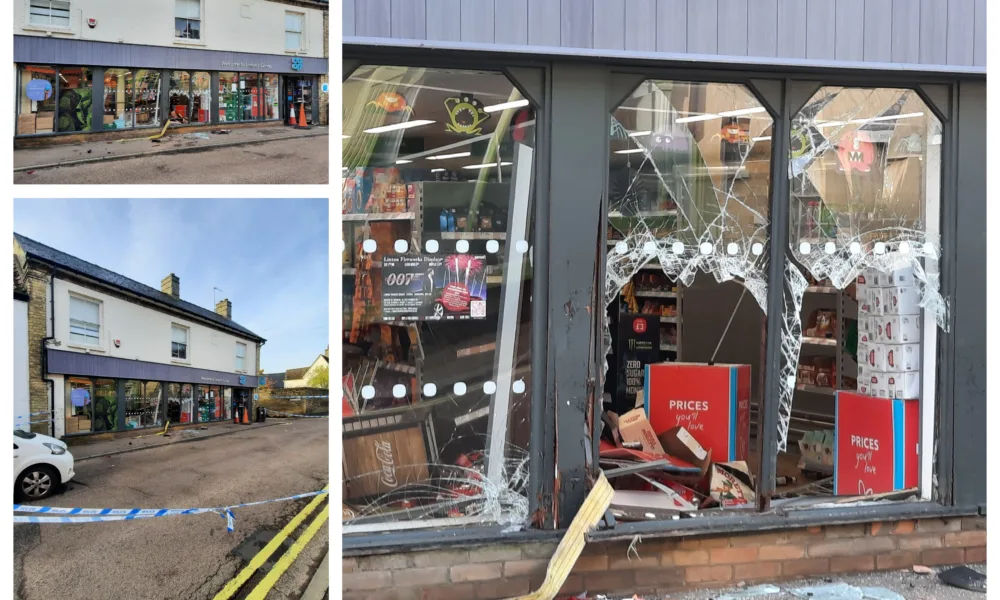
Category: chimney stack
<point>171,284</point>
<point>225,308</point>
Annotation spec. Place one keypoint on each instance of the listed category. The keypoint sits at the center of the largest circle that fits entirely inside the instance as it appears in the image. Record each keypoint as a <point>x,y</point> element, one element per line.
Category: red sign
<point>455,297</point>
<point>856,152</point>
<point>876,445</point>
<point>639,325</point>
<point>711,402</point>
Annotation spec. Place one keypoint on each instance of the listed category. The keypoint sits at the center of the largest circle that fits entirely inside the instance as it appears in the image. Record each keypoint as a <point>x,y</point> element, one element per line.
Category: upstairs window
<point>294,26</point>
<point>241,357</point>
<point>178,342</point>
<point>49,13</point>
<point>84,321</point>
<point>187,19</point>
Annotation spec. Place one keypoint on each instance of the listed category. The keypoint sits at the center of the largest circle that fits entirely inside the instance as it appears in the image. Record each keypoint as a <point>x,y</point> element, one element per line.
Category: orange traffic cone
<point>291,114</point>
<point>246,416</point>
<point>302,115</point>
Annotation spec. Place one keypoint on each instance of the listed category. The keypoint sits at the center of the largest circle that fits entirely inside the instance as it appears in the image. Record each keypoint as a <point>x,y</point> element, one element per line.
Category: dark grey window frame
<point>557,304</point>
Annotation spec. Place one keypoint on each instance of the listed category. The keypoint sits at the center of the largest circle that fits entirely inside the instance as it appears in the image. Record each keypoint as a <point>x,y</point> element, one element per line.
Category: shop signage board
<point>39,90</point>
<point>638,346</point>
<point>431,287</point>
<point>876,448</point>
<point>712,402</point>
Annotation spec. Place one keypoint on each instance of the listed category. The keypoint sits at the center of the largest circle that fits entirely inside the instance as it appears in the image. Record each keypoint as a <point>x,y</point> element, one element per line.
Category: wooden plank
<point>703,26</point>
<point>511,21</point>
<point>444,20</point>
<point>609,24</point>
<point>347,18</point>
<point>640,25</point>
<point>821,24</point>
<point>961,32</point>
<point>732,27</point>
<point>409,19</point>
<point>792,19</point>
<point>543,22</point>
<point>878,31</point>
<point>671,26</point>
<point>849,30</point>
<point>979,43</point>
<point>762,29</point>
<point>933,32</point>
<point>373,18</point>
<point>576,23</point>
<point>905,31</point>
<point>477,22</point>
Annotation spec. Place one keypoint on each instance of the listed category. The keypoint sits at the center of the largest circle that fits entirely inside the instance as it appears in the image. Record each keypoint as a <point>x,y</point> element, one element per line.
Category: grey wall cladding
<point>928,32</point>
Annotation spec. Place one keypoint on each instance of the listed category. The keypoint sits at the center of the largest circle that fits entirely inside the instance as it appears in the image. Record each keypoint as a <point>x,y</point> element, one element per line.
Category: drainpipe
<point>49,384</point>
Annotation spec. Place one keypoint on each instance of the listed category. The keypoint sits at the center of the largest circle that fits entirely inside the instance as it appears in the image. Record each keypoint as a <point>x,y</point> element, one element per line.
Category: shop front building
<point>673,283</point>
<point>89,68</point>
<point>115,356</point>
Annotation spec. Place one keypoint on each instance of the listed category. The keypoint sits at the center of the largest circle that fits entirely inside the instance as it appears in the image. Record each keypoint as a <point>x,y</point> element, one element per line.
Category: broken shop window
<point>685,294</point>
<point>437,207</point>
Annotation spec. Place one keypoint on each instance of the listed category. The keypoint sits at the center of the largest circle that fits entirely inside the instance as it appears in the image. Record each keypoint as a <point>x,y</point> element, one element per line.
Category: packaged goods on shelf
<point>898,329</point>
<point>901,300</point>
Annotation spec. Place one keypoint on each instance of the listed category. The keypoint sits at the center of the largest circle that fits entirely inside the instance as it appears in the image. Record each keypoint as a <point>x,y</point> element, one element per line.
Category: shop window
<point>686,287</point>
<point>187,19</point>
<point>241,357</point>
<point>201,97</point>
<point>859,354</point>
<point>250,97</point>
<point>119,99</point>
<point>227,402</point>
<point>180,402</point>
<point>178,342</point>
<point>179,96</point>
<point>76,99</point>
<point>437,203</point>
<point>143,406</point>
<point>147,98</point>
<point>49,13</point>
<point>229,97</point>
<point>294,26</point>
<point>210,403</point>
<point>91,405</point>
<point>84,321</point>
<point>36,100</point>
<point>272,91</point>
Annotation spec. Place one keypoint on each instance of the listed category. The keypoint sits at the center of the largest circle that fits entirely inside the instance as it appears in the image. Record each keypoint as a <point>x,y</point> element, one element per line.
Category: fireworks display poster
<point>430,287</point>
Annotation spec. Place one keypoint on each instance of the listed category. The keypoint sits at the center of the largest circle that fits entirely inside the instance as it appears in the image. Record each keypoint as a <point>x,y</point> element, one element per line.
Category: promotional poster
<point>638,346</point>
<point>430,287</point>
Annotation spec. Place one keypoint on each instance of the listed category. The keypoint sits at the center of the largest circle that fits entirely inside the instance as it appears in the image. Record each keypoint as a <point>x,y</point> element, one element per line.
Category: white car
<point>42,464</point>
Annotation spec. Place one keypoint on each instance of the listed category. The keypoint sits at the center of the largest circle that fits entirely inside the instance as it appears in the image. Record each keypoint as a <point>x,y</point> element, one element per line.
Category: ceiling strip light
<point>506,105</point>
<point>444,156</point>
<point>742,111</point>
<point>705,117</point>
<point>487,166</point>
<point>631,151</point>
<point>398,126</point>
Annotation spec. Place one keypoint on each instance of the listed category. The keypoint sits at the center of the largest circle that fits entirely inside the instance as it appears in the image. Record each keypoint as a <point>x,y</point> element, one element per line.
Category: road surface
<point>290,161</point>
<point>189,557</point>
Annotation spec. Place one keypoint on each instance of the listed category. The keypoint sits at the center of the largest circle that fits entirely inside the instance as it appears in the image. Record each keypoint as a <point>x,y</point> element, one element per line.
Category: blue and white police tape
<point>99,515</point>
<point>285,414</point>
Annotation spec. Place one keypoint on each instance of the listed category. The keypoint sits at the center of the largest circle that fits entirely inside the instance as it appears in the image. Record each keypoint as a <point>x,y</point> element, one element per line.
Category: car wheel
<point>438,310</point>
<point>37,482</point>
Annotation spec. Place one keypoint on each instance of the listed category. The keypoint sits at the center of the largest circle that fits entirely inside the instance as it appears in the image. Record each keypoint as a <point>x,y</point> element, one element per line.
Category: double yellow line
<point>286,560</point>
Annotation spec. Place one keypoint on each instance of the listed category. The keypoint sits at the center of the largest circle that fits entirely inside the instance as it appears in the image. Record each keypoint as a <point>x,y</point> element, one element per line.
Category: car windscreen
<point>25,435</point>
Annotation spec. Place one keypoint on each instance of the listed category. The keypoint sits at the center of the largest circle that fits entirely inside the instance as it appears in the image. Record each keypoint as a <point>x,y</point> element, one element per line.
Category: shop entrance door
<point>298,93</point>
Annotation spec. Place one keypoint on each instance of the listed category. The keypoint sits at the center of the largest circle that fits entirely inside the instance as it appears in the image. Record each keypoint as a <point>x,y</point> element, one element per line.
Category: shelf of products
<point>473,235</point>
<point>655,294</point>
<point>385,216</point>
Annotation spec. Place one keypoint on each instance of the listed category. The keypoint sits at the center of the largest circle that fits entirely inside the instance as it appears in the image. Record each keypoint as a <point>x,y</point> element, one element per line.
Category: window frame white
<point>237,358</point>
<point>99,344</point>
<point>301,33</point>
<point>66,5</point>
<point>200,19</point>
<point>187,342</point>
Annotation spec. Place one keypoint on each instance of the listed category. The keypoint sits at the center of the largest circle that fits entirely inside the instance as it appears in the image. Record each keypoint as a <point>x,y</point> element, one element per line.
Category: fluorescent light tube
<point>761,139</point>
<point>444,156</point>
<point>398,126</point>
<point>630,151</point>
<point>503,164</point>
<point>705,117</point>
<point>639,133</point>
<point>403,161</point>
<point>743,111</point>
<point>506,105</point>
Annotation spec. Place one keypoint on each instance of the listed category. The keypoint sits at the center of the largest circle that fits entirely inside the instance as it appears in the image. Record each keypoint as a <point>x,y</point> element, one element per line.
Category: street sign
<point>256,397</point>
<point>325,87</point>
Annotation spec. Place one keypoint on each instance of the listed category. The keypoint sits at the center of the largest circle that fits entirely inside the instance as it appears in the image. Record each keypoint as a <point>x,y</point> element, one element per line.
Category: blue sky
<point>270,257</point>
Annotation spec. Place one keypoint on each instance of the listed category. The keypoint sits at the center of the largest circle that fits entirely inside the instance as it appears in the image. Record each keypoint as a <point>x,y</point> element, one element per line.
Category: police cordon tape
<point>99,515</point>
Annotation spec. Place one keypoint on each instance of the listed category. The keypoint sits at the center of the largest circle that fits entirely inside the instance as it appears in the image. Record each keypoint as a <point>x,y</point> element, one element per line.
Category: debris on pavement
<point>844,591</point>
<point>964,578</point>
<point>921,569</point>
<point>198,136</point>
<point>751,592</point>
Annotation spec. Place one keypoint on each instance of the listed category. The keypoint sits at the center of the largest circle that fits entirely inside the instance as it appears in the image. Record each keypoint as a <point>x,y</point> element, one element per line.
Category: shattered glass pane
<point>437,207</point>
<point>864,169</point>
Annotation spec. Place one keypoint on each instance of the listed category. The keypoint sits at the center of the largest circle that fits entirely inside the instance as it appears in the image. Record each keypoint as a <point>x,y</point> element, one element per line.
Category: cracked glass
<point>862,295</point>
<point>437,206</point>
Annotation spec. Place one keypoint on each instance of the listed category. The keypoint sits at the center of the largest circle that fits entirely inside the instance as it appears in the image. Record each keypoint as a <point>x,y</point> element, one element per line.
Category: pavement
<point>909,585</point>
<point>150,439</point>
<point>258,155</point>
<point>191,557</point>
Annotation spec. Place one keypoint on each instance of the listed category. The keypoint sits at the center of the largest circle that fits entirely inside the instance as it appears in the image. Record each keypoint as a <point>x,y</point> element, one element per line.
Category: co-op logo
<point>243,379</point>
<point>297,63</point>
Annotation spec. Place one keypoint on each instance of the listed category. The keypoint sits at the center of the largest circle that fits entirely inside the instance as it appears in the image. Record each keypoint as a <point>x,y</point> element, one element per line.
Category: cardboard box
<point>900,358</point>
<point>900,278</point>
<point>861,287</point>
<point>904,386</point>
<point>874,357</point>
<point>878,385</point>
<point>864,382</point>
<point>877,445</point>
<point>26,124</point>
<point>379,463</point>
<point>875,301</point>
<point>901,300</point>
<point>44,122</point>
<point>898,329</point>
<point>634,427</point>
<point>731,484</point>
<point>710,402</point>
<point>679,443</point>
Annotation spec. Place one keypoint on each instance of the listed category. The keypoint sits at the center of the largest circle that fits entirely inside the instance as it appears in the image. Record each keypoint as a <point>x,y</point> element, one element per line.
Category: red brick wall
<point>667,565</point>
